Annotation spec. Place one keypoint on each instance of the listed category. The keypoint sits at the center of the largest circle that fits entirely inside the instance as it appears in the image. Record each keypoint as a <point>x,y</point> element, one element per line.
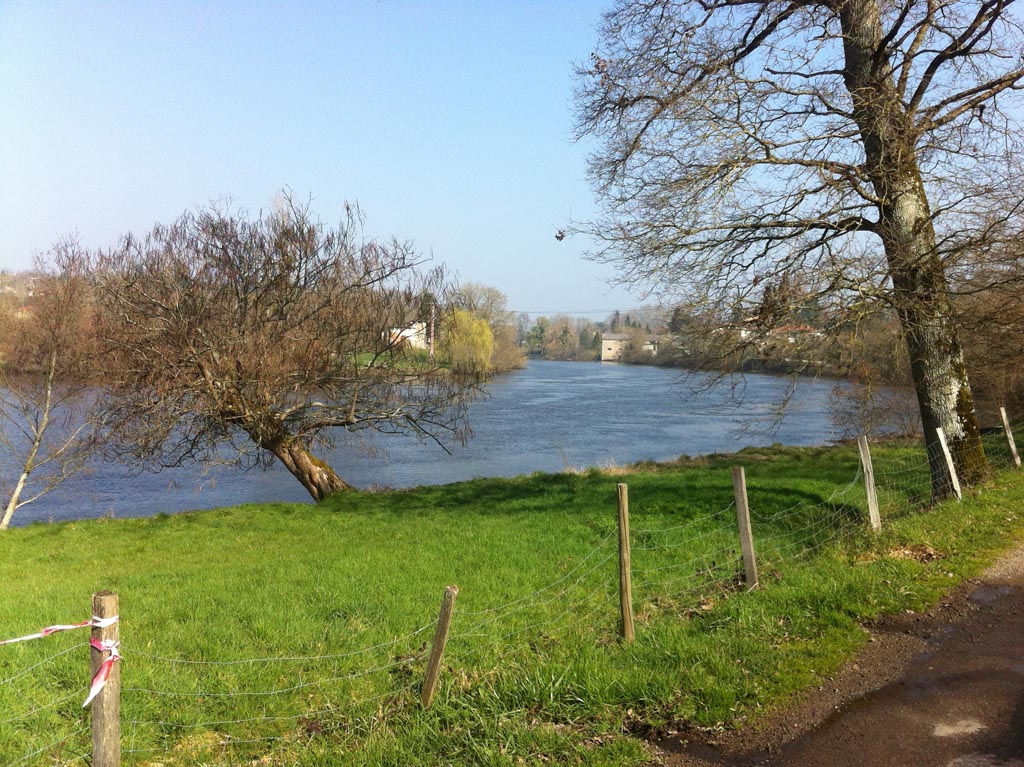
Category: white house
<point>415,335</point>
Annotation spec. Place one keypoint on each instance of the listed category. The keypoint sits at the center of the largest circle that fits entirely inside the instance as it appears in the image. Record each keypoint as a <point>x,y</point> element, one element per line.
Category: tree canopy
<point>491,305</point>
<point>467,342</point>
<point>270,335</point>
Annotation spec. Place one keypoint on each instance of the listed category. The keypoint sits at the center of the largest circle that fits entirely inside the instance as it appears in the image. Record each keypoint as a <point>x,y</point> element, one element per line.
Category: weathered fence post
<point>106,706</point>
<point>444,622</point>
<point>950,468</point>
<point>739,486</point>
<point>1009,436</point>
<point>869,483</point>
<point>625,570</point>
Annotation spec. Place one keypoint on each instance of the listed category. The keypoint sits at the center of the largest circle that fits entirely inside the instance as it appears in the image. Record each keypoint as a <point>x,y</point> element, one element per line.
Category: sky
<point>449,123</point>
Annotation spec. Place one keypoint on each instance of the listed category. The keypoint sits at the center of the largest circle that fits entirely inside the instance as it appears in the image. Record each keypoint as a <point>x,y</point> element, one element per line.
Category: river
<point>548,417</point>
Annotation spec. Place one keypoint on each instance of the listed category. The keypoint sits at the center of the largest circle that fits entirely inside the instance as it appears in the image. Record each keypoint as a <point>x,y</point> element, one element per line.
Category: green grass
<point>534,673</point>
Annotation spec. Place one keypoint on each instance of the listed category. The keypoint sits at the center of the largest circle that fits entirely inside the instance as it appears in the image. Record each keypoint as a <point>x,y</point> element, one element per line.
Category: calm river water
<point>548,417</point>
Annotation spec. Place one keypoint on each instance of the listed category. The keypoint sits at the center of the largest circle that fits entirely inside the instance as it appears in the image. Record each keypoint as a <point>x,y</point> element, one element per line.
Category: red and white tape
<point>103,673</point>
<point>106,646</point>
<point>94,622</point>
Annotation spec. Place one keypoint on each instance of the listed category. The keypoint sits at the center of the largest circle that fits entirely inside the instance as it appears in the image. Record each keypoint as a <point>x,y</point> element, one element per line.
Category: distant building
<point>415,336</point>
<point>613,346</point>
<point>749,330</point>
<point>794,333</point>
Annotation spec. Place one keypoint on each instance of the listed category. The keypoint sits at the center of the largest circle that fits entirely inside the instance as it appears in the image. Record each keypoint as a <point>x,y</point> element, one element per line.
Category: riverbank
<point>289,634</point>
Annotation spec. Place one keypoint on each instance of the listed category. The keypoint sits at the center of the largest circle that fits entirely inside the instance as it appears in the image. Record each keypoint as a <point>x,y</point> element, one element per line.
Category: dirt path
<point>944,688</point>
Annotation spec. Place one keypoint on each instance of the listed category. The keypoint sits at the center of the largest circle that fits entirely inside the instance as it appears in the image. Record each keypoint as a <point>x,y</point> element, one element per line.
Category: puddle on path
<point>986,594</point>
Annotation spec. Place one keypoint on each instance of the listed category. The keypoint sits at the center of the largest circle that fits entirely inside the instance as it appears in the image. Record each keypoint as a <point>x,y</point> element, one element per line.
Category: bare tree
<point>270,336</point>
<point>47,398</point>
<point>863,147</point>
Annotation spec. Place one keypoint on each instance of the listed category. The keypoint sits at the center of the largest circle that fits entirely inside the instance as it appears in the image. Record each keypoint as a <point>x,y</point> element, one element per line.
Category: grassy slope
<point>534,670</point>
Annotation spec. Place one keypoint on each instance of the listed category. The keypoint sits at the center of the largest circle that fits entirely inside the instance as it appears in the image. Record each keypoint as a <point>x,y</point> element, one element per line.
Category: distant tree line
<point>564,337</point>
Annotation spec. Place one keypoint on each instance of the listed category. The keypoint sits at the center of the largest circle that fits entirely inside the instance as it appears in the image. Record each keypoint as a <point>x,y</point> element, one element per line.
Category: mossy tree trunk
<point>319,479</point>
<point>920,289</point>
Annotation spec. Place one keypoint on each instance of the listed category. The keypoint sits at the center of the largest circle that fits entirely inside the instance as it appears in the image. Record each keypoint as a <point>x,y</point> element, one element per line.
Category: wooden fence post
<point>625,569</point>
<point>869,483</point>
<point>1009,437</point>
<point>739,486</point>
<point>444,622</point>
<point>106,706</point>
<point>954,480</point>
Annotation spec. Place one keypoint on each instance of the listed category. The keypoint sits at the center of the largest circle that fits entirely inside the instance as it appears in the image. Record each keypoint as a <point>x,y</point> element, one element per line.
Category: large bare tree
<point>265,337</point>
<point>48,398</point>
<point>866,149</point>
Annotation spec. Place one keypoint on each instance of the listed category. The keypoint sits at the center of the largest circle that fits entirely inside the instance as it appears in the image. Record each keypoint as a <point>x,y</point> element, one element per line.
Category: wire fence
<point>180,706</point>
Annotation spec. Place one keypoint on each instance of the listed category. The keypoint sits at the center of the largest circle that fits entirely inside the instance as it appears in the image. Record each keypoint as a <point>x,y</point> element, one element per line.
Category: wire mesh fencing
<point>185,702</point>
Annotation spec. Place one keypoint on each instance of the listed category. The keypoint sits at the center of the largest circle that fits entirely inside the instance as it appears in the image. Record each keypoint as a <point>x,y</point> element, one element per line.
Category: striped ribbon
<point>103,673</point>
<point>99,680</point>
<point>94,622</point>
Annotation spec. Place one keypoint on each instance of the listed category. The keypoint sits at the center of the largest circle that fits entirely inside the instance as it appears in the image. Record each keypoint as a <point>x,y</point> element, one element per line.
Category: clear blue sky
<point>450,123</point>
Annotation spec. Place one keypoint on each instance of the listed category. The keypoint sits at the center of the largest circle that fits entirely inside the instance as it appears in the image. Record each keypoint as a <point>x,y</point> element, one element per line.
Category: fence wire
<point>241,709</point>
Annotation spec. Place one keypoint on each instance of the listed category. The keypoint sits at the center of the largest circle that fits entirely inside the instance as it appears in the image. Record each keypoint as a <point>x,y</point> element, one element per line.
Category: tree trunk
<point>38,431</point>
<point>317,477</point>
<point>26,470</point>
<point>921,292</point>
<point>30,463</point>
<point>12,504</point>
<point>943,394</point>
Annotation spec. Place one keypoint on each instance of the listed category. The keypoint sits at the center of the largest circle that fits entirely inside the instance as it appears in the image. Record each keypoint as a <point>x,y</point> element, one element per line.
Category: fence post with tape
<point>106,705</point>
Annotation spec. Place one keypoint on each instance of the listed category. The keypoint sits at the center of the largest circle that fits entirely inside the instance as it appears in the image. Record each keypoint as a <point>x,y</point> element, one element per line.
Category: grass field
<point>297,635</point>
